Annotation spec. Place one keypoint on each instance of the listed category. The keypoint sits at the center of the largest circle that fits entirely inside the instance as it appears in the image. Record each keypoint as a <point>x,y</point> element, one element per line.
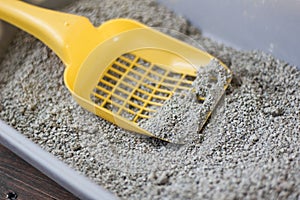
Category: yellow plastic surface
<point>122,71</point>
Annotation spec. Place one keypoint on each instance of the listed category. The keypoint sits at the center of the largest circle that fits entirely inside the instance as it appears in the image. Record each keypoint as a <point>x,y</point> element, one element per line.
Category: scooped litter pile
<point>189,108</point>
<point>249,148</point>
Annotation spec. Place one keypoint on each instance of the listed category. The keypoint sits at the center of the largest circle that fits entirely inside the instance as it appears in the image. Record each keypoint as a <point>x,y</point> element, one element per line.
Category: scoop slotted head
<point>123,71</point>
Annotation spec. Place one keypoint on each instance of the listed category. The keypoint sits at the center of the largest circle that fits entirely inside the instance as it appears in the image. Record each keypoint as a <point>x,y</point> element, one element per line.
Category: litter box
<point>215,27</point>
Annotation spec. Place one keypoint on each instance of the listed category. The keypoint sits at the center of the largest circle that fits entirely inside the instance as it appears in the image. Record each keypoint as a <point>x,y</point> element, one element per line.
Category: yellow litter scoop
<point>122,71</point>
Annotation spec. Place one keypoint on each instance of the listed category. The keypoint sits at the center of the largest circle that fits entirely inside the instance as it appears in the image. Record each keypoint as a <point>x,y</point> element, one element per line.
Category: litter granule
<point>249,147</point>
<point>189,108</point>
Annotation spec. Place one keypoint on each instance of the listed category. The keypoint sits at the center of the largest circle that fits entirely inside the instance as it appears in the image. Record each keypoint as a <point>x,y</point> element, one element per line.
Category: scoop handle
<point>56,29</point>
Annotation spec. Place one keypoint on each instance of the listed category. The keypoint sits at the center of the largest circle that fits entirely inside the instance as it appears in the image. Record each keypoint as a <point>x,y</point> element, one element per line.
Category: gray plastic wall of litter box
<point>270,26</point>
<point>77,184</point>
<point>7,33</point>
